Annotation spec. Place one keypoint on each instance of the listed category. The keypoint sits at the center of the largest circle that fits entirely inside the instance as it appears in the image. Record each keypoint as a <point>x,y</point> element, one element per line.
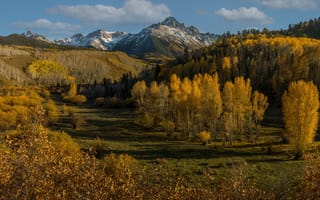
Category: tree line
<point>270,61</point>
<point>190,106</point>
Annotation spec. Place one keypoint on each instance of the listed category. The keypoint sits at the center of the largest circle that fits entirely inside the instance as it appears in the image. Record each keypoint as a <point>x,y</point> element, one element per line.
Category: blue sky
<point>58,18</point>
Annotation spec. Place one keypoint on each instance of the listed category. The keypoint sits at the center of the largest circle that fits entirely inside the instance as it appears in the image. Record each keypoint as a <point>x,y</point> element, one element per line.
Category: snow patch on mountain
<point>99,39</point>
<point>32,35</point>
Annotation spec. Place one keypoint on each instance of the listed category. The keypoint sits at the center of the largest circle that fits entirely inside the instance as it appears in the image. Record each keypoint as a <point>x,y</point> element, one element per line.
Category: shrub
<point>76,121</point>
<point>67,110</point>
<point>100,101</point>
<point>51,112</point>
<point>77,99</point>
<point>7,120</point>
<point>98,147</point>
<point>35,169</point>
<point>119,166</point>
<point>146,120</point>
<point>112,102</point>
<point>63,143</point>
<point>204,137</point>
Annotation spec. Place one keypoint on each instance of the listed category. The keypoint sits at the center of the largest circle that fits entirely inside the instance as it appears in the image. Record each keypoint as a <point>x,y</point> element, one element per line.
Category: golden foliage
<point>226,63</point>
<point>199,104</point>
<point>300,106</point>
<point>46,71</point>
<point>72,95</point>
<point>138,92</point>
<point>204,137</point>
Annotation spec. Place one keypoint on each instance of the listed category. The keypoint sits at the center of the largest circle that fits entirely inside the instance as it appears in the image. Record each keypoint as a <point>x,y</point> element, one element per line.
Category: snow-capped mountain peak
<point>168,37</point>
<point>172,22</point>
<point>99,39</point>
<point>32,35</point>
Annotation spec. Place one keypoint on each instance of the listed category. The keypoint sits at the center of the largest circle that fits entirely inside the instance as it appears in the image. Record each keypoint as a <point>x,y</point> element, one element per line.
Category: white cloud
<point>47,25</point>
<point>297,4</point>
<point>132,12</point>
<point>243,14</point>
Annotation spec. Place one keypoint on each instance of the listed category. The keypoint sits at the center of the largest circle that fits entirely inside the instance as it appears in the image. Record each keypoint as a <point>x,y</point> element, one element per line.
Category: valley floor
<point>270,163</point>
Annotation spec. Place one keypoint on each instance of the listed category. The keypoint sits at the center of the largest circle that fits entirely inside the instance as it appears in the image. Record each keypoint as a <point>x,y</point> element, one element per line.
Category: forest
<point>234,120</point>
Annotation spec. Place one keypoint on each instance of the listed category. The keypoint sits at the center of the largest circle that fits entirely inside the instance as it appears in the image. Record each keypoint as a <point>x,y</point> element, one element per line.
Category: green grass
<point>269,162</point>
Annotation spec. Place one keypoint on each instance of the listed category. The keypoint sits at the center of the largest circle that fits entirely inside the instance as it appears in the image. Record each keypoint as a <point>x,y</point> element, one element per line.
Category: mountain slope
<point>20,39</point>
<point>168,38</point>
<point>98,39</point>
<point>86,65</point>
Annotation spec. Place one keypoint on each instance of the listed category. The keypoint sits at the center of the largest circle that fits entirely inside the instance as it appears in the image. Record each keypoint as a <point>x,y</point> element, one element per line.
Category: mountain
<point>23,40</point>
<point>98,39</point>
<point>31,35</point>
<point>167,38</point>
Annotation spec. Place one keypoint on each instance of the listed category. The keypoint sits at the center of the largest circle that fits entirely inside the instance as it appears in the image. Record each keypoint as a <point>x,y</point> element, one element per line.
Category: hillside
<point>271,62</point>
<point>86,65</point>
<point>309,28</point>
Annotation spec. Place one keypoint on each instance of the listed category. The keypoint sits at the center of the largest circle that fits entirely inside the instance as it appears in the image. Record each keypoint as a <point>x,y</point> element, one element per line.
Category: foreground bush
<point>32,168</point>
<point>204,137</point>
<point>76,99</point>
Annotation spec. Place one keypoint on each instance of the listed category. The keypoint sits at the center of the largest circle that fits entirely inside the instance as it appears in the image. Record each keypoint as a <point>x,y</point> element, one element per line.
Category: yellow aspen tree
<point>211,102</point>
<point>195,104</point>
<point>259,106</point>
<point>185,106</point>
<point>228,117</point>
<point>73,86</point>
<point>47,71</point>
<point>242,103</point>
<point>164,98</point>
<point>138,92</point>
<point>300,106</point>
<point>163,107</point>
<point>226,63</point>
<point>175,93</point>
<point>153,99</point>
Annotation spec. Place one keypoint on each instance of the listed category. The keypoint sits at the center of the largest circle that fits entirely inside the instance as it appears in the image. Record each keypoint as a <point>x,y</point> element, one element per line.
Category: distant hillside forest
<point>271,60</point>
<point>87,66</point>
<point>309,28</point>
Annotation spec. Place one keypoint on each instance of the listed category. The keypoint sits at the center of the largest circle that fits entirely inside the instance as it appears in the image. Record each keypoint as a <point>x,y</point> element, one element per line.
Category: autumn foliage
<point>192,106</point>
<point>300,109</point>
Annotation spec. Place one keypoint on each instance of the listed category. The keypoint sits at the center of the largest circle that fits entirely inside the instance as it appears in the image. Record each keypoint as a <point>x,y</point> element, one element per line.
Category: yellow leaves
<point>259,105</point>
<point>240,106</point>
<point>138,91</point>
<point>300,106</point>
<point>204,136</point>
<point>154,90</point>
<point>47,70</point>
<point>226,63</point>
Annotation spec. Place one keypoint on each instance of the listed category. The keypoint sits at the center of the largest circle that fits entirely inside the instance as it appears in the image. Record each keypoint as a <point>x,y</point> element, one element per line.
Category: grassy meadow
<point>269,162</point>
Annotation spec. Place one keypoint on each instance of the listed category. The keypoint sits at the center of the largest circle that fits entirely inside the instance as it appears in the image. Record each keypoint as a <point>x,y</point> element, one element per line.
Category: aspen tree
<point>242,102</point>
<point>211,102</point>
<point>153,99</point>
<point>259,106</point>
<point>175,94</point>
<point>195,102</point>
<point>138,92</point>
<point>184,106</point>
<point>300,106</point>
<point>229,120</point>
